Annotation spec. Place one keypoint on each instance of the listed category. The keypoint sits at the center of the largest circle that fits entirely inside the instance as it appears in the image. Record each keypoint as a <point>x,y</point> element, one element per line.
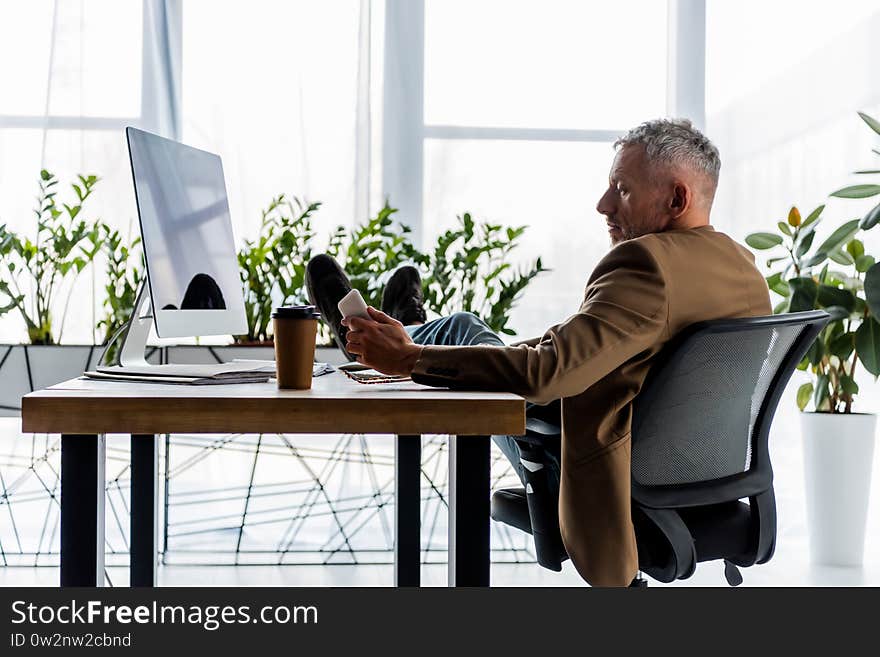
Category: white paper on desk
<point>201,370</point>
<point>318,368</point>
<point>242,377</point>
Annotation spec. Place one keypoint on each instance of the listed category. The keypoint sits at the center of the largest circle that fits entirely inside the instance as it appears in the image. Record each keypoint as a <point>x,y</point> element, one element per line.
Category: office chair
<point>699,446</point>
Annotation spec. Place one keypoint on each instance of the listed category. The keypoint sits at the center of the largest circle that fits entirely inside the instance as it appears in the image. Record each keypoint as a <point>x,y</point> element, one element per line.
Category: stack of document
<point>239,371</point>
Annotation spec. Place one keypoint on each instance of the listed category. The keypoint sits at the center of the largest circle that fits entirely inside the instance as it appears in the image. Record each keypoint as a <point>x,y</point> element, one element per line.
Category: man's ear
<point>681,199</point>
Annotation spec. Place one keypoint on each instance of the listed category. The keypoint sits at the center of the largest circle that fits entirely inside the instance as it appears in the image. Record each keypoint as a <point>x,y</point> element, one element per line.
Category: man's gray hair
<point>675,141</point>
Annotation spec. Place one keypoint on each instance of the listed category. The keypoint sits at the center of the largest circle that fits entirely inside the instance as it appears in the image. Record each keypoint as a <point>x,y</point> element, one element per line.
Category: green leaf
<point>72,211</point>
<point>855,248</point>
<point>871,121</point>
<point>842,345</point>
<point>784,228</point>
<point>857,191</point>
<point>831,296</point>
<point>864,263</point>
<point>849,385</point>
<point>868,345</point>
<point>815,259</point>
<point>803,294</point>
<point>816,352</point>
<point>841,257</point>
<point>872,289</point>
<point>871,219</point>
<point>804,242</point>
<point>762,241</point>
<point>820,394</point>
<point>812,217</point>
<point>804,393</point>
<point>867,171</point>
<point>776,284</point>
<point>839,236</point>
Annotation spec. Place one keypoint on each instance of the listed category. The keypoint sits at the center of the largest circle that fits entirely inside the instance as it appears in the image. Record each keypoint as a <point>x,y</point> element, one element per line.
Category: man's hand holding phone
<point>377,340</point>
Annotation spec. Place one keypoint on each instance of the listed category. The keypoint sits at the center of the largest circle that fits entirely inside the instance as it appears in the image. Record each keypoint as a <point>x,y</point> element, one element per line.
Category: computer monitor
<point>192,267</point>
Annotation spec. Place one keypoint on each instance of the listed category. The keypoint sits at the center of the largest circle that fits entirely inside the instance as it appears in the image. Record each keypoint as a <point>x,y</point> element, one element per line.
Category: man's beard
<point>623,235</point>
<point>630,233</point>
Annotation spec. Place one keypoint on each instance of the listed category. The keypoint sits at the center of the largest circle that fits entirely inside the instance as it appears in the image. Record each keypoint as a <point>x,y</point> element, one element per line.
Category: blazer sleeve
<point>624,312</point>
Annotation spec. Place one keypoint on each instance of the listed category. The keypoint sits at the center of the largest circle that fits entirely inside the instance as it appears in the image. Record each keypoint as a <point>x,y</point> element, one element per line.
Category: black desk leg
<point>82,509</point>
<point>407,498</point>
<point>469,511</point>
<point>144,501</point>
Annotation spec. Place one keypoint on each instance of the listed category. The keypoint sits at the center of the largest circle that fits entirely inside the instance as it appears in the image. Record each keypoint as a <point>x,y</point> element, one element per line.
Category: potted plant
<point>371,251</point>
<point>37,275</point>
<point>470,270</point>
<point>838,276</point>
<point>272,266</point>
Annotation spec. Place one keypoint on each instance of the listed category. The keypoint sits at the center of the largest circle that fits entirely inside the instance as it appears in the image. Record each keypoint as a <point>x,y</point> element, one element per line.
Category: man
<point>668,268</point>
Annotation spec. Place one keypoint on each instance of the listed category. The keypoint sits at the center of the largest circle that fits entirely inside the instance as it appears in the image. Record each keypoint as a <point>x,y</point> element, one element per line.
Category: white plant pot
<point>25,368</point>
<point>838,456</point>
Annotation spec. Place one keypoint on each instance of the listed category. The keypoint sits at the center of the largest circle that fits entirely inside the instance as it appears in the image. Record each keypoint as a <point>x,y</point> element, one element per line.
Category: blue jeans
<point>466,329</point>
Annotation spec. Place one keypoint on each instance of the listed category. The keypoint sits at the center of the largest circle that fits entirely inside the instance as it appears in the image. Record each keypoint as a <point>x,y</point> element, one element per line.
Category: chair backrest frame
<point>759,476</point>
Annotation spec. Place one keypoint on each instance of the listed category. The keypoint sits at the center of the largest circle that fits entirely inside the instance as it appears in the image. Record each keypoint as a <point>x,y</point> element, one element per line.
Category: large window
<point>784,82</point>
<point>73,75</point>
<point>506,109</point>
<point>521,105</point>
<point>555,64</point>
<point>273,88</point>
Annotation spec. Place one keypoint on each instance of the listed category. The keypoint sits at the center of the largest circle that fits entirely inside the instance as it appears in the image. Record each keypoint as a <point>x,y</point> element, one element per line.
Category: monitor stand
<point>129,344</point>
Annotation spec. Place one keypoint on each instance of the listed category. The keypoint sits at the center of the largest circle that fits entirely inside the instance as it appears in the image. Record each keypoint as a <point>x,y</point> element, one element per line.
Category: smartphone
<point>353,305</point>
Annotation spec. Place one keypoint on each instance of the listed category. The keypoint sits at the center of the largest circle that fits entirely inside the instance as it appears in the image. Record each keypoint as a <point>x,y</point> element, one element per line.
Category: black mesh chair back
<point>700,433</point>
<point>705,410</point>
<point>700,430</point>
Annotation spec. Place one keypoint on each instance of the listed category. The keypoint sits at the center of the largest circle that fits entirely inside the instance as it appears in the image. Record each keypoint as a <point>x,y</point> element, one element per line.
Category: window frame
<point>159,89</point>
<point>404,130</point>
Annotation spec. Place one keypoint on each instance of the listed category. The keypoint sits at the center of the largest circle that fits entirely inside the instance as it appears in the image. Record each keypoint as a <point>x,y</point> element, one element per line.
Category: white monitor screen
<point>187,237</point>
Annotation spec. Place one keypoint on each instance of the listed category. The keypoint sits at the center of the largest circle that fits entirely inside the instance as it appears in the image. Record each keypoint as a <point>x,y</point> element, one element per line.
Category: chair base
<point>716,533</point>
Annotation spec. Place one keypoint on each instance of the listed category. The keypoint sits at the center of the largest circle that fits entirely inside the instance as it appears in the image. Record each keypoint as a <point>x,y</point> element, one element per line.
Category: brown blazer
<point>642,293</point>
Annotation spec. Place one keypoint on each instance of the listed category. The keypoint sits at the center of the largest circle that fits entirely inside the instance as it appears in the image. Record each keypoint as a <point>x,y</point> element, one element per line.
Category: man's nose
<point>605,206</point>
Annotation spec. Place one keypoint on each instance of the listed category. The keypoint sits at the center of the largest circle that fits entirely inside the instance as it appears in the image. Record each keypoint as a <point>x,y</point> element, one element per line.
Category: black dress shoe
<point>326,284</point>
<point>402,298</point>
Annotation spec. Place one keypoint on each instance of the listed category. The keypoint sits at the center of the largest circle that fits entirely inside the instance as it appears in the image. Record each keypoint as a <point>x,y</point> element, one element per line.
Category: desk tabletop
<point>335,404</point>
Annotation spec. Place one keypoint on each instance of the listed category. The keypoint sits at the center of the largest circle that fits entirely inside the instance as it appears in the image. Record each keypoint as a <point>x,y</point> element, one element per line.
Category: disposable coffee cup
<point>296,328</point>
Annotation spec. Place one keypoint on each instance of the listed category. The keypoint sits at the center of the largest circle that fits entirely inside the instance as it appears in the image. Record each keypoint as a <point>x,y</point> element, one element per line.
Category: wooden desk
<point>82,411</point>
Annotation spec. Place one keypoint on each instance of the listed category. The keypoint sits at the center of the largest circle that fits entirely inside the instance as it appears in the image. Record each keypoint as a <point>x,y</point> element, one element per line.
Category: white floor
<point>790,566</point>
<point>784,570</point>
